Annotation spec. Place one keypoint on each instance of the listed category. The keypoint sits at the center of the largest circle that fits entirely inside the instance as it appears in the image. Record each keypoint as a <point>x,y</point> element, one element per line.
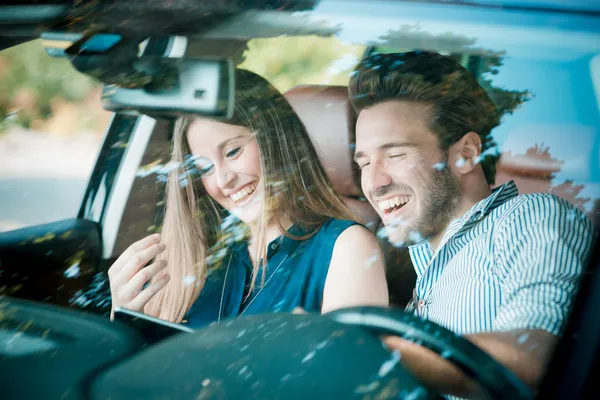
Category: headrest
<point>329,120</point>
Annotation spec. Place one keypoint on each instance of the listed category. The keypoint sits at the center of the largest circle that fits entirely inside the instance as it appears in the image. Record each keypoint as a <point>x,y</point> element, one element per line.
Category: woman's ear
<point>467,153</point>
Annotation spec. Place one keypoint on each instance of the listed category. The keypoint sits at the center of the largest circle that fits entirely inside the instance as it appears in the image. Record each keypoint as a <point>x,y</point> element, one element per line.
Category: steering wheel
<point>291,356</point>
<point>498,381</point>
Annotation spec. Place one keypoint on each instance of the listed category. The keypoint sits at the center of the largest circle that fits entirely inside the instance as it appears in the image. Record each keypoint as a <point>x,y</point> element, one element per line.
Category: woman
<point>244,191</point>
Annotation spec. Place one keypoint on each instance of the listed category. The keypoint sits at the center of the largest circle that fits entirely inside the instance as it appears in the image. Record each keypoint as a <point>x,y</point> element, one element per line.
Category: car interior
<point>104,359</point>
<point>329,119</point>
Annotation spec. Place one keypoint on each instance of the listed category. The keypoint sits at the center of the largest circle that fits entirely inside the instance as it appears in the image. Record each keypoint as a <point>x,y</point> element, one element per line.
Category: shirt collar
<point>499,196</point>
<point>282,243</point>
<point>478,212</point>
<point>288,244</point>
<point>481,210</point>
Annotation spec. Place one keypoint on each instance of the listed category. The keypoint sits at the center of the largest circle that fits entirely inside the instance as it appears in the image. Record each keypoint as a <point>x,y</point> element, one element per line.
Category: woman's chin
<point>248,213</point>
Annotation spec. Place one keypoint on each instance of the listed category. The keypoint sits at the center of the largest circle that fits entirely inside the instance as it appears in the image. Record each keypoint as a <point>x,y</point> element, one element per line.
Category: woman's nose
<point>225,178</point>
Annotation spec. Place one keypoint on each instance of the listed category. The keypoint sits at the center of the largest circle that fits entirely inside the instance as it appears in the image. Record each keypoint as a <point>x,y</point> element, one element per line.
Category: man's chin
<point>394,234</point>
<point>400,236</point>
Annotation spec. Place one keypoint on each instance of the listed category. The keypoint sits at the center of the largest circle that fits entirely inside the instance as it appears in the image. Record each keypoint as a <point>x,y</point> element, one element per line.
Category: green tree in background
<point>31,81</point>
<point>289,61</point>
<point>483,63</point>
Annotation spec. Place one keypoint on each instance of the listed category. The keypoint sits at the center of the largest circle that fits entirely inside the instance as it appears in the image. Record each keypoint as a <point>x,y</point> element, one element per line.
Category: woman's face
<point>228,159</point>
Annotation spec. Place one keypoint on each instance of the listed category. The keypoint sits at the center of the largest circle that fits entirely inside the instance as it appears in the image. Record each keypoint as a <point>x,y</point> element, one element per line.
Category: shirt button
<point>421,303</point>
<point>274,246</point>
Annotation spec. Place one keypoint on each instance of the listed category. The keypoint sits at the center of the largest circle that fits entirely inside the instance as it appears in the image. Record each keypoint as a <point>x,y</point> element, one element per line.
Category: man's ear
<point>466,152</point>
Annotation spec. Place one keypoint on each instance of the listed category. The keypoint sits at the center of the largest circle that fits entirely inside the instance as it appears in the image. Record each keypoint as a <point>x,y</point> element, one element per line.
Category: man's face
<point>404,173</point>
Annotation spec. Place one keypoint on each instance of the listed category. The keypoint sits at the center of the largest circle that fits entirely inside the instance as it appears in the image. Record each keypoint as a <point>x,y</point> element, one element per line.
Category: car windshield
<point>491,236</point>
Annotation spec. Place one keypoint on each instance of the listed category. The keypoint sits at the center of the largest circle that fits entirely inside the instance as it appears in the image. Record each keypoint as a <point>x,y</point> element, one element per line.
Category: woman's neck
<point>273,232</point>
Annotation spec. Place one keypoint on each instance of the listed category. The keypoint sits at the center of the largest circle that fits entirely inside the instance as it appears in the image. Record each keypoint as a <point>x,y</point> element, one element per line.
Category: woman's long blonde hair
<point>296,188</point>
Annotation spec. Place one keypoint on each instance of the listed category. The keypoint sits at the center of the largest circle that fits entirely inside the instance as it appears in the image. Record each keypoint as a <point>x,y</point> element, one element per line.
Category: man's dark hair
<point>458,103</point>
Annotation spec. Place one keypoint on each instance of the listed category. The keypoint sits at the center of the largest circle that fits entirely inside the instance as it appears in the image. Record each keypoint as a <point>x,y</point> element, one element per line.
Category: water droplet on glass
<point>73,271</point>
<point>374,257</point>
<point>439,166</point>
<point>416,394</point>
<point>189,280</point>
<point>388,365</point>
<point>523,338</point>
<point>309,356</point>
<point>364,389</point>
<point>415,237</point>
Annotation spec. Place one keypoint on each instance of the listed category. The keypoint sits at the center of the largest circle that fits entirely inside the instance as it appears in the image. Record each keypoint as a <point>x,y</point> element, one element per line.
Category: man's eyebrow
<point>387,146</point>
<point>393,145</point>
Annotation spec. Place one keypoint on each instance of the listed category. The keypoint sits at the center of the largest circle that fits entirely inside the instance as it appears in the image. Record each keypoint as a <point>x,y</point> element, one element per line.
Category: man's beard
<point>439,202</point>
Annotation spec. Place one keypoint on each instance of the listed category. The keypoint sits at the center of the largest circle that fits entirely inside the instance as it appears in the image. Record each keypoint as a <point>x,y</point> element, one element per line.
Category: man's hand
<point>525,353</point>
<point>433,370</point>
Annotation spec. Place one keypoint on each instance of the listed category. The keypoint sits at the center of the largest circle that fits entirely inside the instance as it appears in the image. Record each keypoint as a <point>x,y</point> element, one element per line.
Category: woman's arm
<point>356,275</point>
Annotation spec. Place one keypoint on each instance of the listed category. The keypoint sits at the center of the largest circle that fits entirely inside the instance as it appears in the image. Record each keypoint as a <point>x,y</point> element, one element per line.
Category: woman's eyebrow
<point>226,142</point>
<point>220,147</point>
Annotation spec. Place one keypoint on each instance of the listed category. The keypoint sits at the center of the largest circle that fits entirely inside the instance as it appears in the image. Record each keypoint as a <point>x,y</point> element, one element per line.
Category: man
<point>497,267</point>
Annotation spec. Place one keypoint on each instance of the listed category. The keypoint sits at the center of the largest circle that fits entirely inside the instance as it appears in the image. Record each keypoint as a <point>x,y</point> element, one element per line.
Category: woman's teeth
<point>246,191</point>
<point>389,204</point>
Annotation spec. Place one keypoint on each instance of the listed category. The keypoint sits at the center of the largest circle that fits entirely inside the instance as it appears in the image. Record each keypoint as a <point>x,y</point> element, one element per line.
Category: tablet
<point>152,329</point>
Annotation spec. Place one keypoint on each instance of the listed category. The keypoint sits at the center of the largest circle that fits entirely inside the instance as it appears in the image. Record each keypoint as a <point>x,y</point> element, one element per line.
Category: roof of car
<point>192,16</point>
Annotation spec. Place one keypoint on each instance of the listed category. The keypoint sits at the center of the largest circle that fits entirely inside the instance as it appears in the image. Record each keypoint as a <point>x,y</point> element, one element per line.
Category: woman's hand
<point>128,276</point>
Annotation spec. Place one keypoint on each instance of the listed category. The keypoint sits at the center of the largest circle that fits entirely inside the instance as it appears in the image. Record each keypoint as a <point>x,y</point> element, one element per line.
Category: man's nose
<point>375,177</point>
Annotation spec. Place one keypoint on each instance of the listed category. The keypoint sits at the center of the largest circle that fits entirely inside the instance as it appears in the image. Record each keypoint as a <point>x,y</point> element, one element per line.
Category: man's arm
<point>524,352</point>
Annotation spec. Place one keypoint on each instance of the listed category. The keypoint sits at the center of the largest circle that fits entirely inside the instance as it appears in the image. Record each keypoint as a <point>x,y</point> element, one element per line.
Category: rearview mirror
<point>180,86</point>
<point>153,76</point>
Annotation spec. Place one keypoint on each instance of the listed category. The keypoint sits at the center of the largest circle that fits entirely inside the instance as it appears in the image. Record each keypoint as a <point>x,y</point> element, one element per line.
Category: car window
<point>51,128</point>
<point>541,67</point>
<point>547,138</point>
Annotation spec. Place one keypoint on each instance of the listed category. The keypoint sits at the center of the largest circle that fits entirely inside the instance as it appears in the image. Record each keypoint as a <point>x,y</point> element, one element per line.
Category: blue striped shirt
<point>511,262</point>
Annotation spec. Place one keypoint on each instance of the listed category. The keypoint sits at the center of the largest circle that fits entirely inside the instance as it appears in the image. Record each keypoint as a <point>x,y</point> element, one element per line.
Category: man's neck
<point>468,200</point>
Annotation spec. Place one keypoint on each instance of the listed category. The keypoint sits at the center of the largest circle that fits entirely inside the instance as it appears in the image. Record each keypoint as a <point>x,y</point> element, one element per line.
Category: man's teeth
<point>388,204</point>
<point>243,193</point>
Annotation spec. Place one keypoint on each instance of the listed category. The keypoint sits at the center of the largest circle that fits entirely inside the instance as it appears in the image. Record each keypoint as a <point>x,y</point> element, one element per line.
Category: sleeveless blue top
<point>295,277</point>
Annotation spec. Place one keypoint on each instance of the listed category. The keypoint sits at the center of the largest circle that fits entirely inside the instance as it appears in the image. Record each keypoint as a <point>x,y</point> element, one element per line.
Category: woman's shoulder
<point>335,226</point>
<point>346,231</point>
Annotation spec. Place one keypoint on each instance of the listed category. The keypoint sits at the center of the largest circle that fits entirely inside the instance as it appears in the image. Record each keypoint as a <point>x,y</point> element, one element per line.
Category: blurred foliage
<point>288,61</point>
<point>33,85</point>
<point>481,62</point>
